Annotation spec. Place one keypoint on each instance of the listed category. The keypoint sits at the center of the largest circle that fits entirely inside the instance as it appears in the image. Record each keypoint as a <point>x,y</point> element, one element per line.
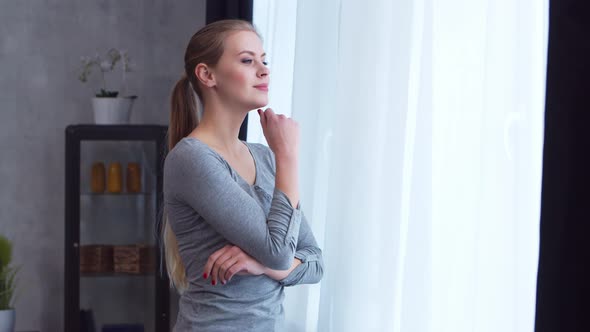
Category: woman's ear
<point>204,75</point>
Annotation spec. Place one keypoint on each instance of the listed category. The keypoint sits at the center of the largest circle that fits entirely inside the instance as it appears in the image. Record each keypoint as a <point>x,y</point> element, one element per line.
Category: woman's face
<point>242,77</point>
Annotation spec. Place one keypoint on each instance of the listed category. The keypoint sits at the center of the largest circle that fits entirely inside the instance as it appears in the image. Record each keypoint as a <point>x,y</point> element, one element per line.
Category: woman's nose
<point>264,71</point>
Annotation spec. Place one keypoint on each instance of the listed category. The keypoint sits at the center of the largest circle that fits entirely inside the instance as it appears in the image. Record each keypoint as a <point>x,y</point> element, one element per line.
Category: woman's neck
<point>220,128</point>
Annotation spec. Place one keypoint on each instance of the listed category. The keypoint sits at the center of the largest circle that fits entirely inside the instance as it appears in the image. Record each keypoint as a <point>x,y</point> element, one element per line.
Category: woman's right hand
<point>281,132</point>
<point>224,263</point>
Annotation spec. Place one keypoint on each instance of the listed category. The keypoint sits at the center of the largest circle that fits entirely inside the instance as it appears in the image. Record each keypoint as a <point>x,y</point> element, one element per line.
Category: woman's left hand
<point>230,260</point>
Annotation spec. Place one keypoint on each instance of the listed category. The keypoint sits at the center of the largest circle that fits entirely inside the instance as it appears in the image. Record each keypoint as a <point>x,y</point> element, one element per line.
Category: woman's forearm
<point>281,274</point>
<point>286,178</point>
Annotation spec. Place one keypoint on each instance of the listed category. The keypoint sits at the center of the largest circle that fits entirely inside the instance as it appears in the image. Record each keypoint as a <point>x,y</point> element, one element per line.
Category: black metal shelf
<point>116,274</point>
<point>115,194</point>
<point>74,136</point>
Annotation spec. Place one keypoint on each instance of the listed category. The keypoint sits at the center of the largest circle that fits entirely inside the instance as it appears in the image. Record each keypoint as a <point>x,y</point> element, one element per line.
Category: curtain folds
<point>420,161</point>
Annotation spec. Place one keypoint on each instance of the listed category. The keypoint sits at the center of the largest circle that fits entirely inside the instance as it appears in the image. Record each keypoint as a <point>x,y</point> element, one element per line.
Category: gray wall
<point>41,43</point>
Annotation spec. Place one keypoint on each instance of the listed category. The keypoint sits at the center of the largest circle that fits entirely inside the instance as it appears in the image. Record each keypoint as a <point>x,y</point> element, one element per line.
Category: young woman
<point>234,232</point>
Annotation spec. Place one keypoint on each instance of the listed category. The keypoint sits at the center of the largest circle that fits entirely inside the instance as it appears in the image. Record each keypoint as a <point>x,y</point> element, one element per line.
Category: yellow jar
<point>97,178</point>
<point>115,178</point>
<point>133,177</point>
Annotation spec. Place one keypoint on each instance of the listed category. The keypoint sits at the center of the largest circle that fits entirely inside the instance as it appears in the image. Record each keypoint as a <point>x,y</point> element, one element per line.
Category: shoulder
<point>188,166</point>
<point>189,155</point>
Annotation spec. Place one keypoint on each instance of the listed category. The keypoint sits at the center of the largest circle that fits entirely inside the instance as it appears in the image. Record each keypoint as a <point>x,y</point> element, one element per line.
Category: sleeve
<point>311,269</point>
<point>202,182</point>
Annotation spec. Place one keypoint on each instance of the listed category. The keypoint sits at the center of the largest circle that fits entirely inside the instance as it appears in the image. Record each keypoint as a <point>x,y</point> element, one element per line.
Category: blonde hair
<point>205,46</point>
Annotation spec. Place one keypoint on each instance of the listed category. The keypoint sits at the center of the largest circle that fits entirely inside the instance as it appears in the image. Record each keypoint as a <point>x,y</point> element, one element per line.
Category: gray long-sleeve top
<point>208,205</point>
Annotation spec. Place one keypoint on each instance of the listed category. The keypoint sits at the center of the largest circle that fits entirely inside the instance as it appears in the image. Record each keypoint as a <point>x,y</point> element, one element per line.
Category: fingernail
<point>223,282</point>
<point>213,282</point>
<point>205,275</point>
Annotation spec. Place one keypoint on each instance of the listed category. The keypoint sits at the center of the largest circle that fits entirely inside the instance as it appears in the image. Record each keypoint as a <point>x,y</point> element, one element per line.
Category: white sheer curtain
<point>277,25</point>
<point>421,151</point>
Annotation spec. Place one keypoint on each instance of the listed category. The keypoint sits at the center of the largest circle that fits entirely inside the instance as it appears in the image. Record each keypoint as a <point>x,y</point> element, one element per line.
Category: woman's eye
<point>250,60</point>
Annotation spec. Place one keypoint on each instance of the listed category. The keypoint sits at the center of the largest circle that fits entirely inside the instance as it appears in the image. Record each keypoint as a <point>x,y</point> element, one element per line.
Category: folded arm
<point>308,267</point>
<point>203,182</point>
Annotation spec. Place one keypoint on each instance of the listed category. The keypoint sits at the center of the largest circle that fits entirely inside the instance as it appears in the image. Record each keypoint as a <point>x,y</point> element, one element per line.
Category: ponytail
<point>174,265</point>
<point>183,113</point>
<point>184,117</point>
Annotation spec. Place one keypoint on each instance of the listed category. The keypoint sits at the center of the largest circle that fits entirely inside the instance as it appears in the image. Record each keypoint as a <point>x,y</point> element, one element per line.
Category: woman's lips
<point>262,87</point>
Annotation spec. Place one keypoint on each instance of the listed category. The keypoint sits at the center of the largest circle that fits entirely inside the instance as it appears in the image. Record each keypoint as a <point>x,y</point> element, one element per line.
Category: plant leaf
<point>5,251</point>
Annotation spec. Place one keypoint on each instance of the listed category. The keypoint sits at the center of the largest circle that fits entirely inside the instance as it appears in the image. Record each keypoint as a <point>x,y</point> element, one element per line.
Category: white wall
<point>41,43</point>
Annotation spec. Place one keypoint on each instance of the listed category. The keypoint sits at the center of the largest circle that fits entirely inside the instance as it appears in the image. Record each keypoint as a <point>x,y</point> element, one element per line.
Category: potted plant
<point>109,107</point>
<point>7,287</point>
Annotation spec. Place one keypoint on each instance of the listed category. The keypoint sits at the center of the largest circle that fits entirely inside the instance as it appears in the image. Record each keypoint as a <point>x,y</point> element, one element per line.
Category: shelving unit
<point>111,220</point>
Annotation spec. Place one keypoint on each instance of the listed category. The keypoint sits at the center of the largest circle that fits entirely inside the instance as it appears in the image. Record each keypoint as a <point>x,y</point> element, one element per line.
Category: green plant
<point>106,64</point>
<point>7,274</point>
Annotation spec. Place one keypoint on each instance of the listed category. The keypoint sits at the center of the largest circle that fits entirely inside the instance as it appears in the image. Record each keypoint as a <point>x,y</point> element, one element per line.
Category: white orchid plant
<point>106,64</point>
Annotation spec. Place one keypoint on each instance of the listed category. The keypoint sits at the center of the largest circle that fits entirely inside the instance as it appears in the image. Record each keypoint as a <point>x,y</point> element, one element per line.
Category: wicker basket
<point>96,258</point>
<point>134,259</point>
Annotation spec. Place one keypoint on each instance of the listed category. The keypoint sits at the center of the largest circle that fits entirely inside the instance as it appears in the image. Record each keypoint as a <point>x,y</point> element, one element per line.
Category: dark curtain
<point>231,9</point>
<point>226,9</point>
<point>563,294</point>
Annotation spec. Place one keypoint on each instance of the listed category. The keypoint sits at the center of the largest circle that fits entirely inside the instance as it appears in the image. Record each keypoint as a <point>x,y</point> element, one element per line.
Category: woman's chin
<point>259,104</point>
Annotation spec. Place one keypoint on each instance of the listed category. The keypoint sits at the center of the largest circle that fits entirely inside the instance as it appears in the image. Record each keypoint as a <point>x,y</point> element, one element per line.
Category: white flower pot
<point>7,319</point>
<point>112,110</point>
